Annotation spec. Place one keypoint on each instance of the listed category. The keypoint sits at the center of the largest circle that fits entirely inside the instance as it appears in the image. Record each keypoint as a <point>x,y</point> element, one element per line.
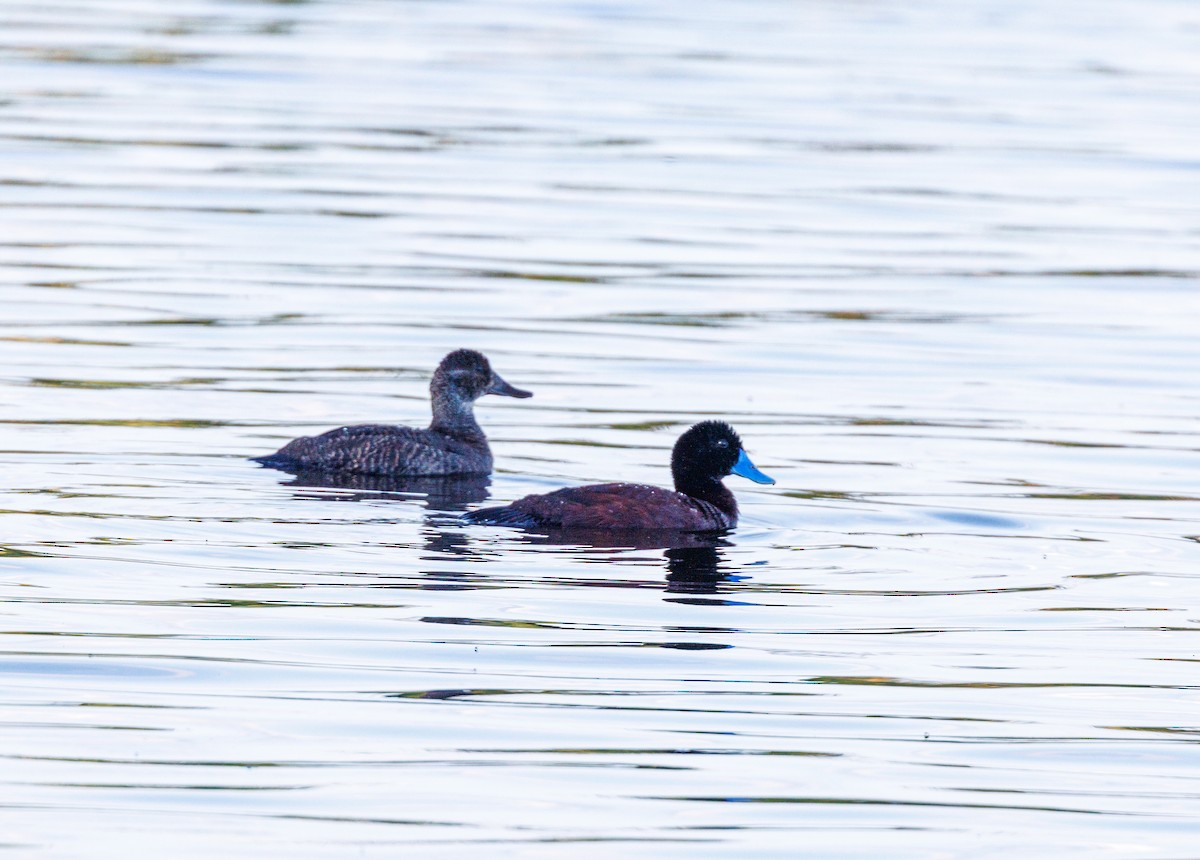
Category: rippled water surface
<point>937,263</point>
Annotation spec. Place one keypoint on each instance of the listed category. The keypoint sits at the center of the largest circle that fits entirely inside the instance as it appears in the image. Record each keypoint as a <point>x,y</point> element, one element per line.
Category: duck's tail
<point>275,461</point>
<point>500,516</point>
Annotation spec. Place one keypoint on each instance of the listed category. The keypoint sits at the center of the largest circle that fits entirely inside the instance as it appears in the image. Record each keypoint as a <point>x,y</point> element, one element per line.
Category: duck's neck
<point>455,417</point>
<point>706,488</point>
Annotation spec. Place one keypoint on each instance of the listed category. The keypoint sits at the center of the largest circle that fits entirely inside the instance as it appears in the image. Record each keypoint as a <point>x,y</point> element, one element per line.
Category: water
<point>937,265</point>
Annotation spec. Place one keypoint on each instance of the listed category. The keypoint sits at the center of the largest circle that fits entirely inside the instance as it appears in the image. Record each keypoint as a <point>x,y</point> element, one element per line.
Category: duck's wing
<point>606,506</point>
<point>369,449</point>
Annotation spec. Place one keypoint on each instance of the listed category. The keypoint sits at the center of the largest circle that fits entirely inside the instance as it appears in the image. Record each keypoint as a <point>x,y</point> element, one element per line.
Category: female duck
<point>704,455</point>
<point>453,444</point>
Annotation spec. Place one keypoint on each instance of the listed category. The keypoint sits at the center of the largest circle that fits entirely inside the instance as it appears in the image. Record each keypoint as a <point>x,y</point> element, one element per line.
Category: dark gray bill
<point>499,386</point>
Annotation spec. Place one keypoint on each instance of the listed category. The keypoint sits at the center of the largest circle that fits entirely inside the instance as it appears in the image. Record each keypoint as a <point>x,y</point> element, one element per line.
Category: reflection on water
<point>695,569</point>
<point>937,262</point>
<point>694,561</point>
<point>443,493</point>
<point>582,540</point>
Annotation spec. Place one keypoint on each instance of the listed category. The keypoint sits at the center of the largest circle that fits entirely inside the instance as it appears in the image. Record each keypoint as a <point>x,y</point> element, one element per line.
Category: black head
<point>709,451</point>
<point>467,374</point>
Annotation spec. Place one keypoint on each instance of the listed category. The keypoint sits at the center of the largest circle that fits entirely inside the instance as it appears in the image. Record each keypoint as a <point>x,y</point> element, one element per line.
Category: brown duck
<point>453,444</point>
<point>702,457</point>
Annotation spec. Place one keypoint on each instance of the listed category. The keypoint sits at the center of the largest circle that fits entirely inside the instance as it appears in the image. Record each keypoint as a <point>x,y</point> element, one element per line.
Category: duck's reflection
<point>696,569</point>
<point>695,562</point>
<point>443,493</point>
<point>636,539</point>
<point>444,498</point>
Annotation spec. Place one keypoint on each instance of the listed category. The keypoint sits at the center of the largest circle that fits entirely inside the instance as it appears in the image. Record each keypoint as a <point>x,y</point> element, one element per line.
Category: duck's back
<point>384,449</point>
<point>609,506</point>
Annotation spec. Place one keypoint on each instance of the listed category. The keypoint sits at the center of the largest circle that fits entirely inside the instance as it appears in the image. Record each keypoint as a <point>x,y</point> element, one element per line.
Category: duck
<point>453,443</point>
<point>705,454</point>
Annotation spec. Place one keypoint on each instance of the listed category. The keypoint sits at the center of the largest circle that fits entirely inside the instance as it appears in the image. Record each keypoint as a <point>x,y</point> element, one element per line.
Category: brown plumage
<point>702,456</point>
<point>614,506</point>
<point>453,444</point>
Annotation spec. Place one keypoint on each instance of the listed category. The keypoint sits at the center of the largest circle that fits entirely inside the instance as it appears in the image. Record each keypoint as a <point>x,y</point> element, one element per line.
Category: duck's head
<point>466,375</point>
<point>709,451</point>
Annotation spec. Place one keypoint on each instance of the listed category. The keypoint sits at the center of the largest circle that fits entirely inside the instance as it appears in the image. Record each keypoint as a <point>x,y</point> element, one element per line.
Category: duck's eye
<point>722,443</point>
